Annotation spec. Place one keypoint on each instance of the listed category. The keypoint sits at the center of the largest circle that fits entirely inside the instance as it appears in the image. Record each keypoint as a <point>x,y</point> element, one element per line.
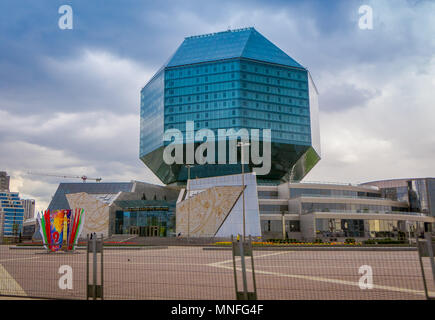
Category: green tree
<point>15,230</point>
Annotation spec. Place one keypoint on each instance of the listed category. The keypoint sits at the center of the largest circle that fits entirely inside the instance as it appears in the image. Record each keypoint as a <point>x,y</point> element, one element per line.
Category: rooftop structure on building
<point>29,208</point>
<point>4,181</point>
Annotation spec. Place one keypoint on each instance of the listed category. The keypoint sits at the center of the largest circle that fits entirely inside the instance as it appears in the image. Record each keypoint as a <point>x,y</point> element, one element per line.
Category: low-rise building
<point>213,207</point>
<point>30,228</point>
<point>322,210</point>
<point>120,207</point>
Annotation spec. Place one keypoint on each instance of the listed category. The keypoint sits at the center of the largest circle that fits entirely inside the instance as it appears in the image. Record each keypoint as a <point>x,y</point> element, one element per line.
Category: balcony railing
<point>365,212</point>
<point>341,196</point>
<point>369,187</point>
<point>269,197</point>
<point>419,214</point>
<point>275,212</point>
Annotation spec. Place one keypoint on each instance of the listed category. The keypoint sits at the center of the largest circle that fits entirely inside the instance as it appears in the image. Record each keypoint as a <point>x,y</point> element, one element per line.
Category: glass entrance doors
<point>149,231</point>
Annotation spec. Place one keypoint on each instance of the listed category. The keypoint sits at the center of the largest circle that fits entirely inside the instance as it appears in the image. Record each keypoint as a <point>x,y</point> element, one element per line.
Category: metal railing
<point>342,197</point>
<point>364,212</point>
<point>172,269</point>
<point>368,187</point>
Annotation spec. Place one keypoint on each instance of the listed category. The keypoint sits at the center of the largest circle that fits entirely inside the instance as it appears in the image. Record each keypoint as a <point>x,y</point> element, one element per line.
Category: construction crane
<point>84,178</point>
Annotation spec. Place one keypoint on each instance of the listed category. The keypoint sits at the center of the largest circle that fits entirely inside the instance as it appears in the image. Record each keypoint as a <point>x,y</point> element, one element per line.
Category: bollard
<point>426,250</point>
<point>243,248</point>
<point>93,289</point>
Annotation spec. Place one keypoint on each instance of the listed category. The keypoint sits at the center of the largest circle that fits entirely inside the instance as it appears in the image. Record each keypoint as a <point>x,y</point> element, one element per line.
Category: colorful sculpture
<point>60,229</point>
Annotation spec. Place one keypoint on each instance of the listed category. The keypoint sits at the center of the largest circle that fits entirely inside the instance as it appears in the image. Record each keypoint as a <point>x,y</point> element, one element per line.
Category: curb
<point>84,248</point>
<point>320,248</point>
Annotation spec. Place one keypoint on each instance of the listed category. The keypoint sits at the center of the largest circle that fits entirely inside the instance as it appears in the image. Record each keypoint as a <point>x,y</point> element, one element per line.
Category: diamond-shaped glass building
<point>232,79</point>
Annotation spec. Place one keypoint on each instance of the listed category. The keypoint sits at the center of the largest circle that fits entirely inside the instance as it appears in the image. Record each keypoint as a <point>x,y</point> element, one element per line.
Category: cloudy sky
<point>69,99</point>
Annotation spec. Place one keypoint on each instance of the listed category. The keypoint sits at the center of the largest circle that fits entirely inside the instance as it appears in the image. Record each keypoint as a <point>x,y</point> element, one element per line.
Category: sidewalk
<point>16,298</point>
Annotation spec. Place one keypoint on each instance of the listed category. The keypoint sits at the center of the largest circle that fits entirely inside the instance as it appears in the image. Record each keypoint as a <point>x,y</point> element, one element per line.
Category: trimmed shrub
<point>370,241</point>
<point>390,241</point>
<point>384,241</point>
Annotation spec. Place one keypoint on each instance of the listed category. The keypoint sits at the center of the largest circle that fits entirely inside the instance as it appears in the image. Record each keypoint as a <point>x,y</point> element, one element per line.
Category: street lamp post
<point>283,224</point>
<point>410,228</point>
<point>188,166</point>
<point>241,145</point>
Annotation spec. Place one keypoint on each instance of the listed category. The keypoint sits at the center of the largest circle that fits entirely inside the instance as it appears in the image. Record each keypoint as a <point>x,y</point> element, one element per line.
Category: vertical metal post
<point>252,264</point>
<point>87,267</point>
<point>243,144</point>
<point>94,266</point>
<point>94,246</point>
<point>243,194</point>
<point>243,265</point>
<point>234,266</point>
<point>242,248</point>
<point>428,237</point>
<point>188,199</point>
<point>417,243</point>
<point>102,268</point>
<point>408,226</point>
<point>283,225</point>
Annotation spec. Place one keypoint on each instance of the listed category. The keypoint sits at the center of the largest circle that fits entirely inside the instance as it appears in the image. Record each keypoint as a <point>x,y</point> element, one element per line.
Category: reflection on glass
<point>366,228</point>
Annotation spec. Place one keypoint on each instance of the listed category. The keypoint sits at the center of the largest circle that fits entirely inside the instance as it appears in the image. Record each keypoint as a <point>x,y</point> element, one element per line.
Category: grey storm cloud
<point>91,81</point>
<point>346,96</point>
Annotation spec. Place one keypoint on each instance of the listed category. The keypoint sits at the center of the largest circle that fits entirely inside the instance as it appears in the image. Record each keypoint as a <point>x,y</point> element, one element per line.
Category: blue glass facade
<point>231,80</point>
<point>11,214</point>
<point>240,94</point>
<point>152,111</point>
